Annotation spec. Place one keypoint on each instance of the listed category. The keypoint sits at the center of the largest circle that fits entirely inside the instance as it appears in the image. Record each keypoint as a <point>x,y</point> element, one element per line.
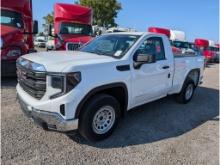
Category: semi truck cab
<point>16,33</point>
<point>167,32</point>
<point>72,26</point>
<point>202,45</point>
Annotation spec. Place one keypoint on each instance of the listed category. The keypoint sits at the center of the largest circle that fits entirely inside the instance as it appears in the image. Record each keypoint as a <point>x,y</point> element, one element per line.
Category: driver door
<point>152,80</point>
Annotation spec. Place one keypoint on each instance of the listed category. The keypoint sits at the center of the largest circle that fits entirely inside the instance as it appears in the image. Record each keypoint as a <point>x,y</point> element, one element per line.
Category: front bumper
<point>48,120</point>
<point>42,45</point>
<point>50,47</point>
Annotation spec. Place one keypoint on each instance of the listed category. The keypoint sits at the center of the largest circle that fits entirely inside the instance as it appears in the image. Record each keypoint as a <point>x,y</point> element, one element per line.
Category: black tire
<point>86,128</point>
<point>181,97</point>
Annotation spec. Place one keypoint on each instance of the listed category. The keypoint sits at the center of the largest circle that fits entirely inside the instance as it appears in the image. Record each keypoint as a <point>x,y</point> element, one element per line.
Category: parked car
<point>92,88</point>
<point>50,45</point>
<point>41,43</point>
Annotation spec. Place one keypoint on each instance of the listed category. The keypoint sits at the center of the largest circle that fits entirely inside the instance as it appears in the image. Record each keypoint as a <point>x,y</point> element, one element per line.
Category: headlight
<point>65,83</point>
<point>72,79</point>
<point>1,42</point>
<point>14,52</point>
<point>30,65</point>
<point>37,67</point>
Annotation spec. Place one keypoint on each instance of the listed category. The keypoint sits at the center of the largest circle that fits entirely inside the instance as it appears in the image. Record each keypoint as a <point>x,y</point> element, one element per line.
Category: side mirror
<point>35,27</point>
<point>140,59</point>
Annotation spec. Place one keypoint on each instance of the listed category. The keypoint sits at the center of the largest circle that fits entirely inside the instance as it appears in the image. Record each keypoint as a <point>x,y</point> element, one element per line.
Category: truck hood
<point>61,61</point>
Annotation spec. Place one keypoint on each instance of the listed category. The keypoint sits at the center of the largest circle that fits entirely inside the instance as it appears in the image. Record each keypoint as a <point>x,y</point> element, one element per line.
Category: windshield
<point>111,45</point>
<point>11,18</point>
<point>212,48</point>
<point>181,44</point>
<point>73,28</point>
<point>40,40</point>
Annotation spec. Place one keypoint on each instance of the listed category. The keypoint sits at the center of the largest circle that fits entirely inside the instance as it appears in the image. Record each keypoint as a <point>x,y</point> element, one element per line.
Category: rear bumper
<point>48,120</point>
<point>8,68</point>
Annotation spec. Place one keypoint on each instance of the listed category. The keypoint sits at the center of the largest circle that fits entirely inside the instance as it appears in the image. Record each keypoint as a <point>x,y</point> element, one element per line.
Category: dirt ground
<point>159,133</point>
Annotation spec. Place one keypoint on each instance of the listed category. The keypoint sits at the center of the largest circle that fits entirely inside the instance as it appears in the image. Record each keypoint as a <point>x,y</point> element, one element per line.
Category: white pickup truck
<point>92,88</point>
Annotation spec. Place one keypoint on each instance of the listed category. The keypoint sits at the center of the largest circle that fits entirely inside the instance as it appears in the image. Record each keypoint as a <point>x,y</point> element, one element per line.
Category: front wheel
<point>187,92</point>
<point>99,117</point>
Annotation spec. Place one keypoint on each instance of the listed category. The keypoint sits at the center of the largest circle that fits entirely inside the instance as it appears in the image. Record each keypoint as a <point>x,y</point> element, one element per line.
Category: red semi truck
<point>217,55</point>
<point>176,51</point>
<point>72,26</point>
<point>17,29</point>
<point>202,46</point>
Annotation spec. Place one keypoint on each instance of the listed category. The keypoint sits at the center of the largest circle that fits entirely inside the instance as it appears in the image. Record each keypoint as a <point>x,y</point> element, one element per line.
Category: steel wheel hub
<point>103,120</point>
<point>189,91</point>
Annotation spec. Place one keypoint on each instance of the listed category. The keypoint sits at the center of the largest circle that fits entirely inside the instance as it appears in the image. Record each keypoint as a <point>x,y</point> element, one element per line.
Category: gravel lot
<point>162,132</point>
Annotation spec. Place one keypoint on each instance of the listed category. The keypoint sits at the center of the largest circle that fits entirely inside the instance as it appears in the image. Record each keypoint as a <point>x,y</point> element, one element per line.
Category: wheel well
<point>194,75</point>
<point>118,91</point>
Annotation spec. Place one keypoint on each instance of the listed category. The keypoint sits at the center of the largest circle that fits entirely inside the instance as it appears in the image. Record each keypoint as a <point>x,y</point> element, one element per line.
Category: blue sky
<point>198,18</point>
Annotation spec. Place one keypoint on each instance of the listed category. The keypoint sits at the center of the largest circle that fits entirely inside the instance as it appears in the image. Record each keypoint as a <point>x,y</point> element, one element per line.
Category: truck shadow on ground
<point>209,65</point>
<point>160,120</point>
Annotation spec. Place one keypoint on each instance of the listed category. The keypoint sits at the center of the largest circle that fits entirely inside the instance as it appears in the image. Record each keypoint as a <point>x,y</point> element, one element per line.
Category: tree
<point>49,18</point>
<point>104,11</point>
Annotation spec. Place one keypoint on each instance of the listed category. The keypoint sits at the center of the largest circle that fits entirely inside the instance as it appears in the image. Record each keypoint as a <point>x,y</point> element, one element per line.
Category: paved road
<point>162,132</point>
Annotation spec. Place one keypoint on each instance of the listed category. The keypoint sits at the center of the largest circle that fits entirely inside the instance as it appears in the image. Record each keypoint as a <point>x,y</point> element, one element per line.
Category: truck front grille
<point>32,82</point>
<point>72,46</point>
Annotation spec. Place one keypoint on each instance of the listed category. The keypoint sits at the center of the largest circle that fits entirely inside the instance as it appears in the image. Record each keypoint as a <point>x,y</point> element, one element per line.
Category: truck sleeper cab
<point>92,88</point>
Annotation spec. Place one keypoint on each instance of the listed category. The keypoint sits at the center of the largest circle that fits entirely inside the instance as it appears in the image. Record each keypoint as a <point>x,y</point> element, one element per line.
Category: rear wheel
<point>187,92</point>
<point>99,117</point>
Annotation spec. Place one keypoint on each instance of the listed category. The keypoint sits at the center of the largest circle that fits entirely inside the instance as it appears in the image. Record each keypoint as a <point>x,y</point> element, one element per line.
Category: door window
<point>153,46</point>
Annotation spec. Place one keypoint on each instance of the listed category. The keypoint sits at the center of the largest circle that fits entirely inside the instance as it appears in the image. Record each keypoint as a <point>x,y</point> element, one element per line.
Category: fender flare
<point>188,73</point>
<point>99,89</point>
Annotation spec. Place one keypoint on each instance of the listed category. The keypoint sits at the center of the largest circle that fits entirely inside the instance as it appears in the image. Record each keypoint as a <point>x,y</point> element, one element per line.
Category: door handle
<point>165,67</point>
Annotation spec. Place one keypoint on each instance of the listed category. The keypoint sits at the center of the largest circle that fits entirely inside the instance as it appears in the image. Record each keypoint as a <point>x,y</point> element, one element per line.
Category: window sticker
<point>118,53</point>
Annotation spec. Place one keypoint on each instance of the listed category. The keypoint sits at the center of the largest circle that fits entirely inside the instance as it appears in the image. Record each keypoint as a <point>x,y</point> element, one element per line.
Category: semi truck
<point>166,32</point>
<point>91,89</point>
<point>217,55</point>
<point>213,50</point>
<point>178,40</point>
<point>72,26</point>
<point>17,29</point>
<point>202,45</point>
